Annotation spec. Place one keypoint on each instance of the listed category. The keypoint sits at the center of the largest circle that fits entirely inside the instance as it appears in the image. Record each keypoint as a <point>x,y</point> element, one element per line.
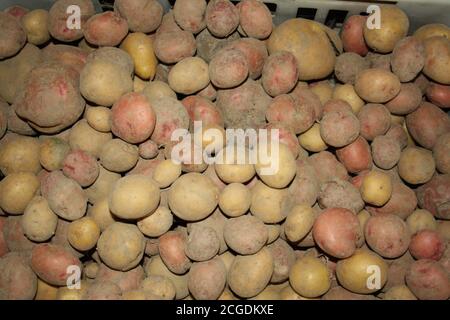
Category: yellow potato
<point>376,188</point>
<point>400,292</point>
<point>432,30</point>
<point>35,24</point>
<point>364,272</point>
<point>323,89</point>
<point>347,93</point>
<point>166,172</point>
<point>309,277</point>
<point>99,118</point>
<point>421,219</point>
<point>83,233</point>
<point>39,221</point>
<point>45,291</point>
<point>17,190</point>
<point>311,140</point>
<point>235,199</point>
<point>416,165</point>
<point>140,48</point>
<point>101,214</point>
<point>156,224</point>
<point>157,89</point>
<point>188,76</point>
<point>268,203</point>
<point>231,169</point>
<point>52,153</point>
<point>299,222</point>
<point>20,154</point>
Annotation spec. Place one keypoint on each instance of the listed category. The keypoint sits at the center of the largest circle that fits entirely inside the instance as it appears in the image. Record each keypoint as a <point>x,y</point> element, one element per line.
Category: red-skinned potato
<point>105,29</point>
<point>256,53</point>
<point>221,17</point>
<point>356,156</point>
<point>52,263</point>
<point>13,36</point>
<point>141,15</point>
<point>434,196</point>
<point>375,120</point>
<point>439,95</point>
<point>427,244</point>
<point>280,73</point>
<point>17,279</point>
<point>174,46</point>
<point>171,250</point>
<point>428,280</point>
<point>190,15</point>
<point>441,151</point>
<point>352,35</point>
<point>206,280</point>
<point>255,19</point>
<point>408,58</point>
<point>407,101</point>
<point>333,224</point>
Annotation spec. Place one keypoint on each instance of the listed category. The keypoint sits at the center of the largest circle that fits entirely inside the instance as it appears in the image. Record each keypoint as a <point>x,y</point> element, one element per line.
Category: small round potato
<point>235,199</point>
<point>119,156</point>
<point>188,76</point>
<point>39,221</point>
<point>53,152</point>
<point>156,224</point>
<point>20,154</point>
<point>121,246</point>
<point>230,169</point>
<point>246,234</point>
<point>83,136</point>
<point>101,214</point>
<point>166,172</point>
<point>416,165</point>
<point>160,286</point>
<point>35,24</point>
<point>157,89</point>
<point>206,280</point>
<point>16,192</point>
<point>193,197</point>
<point>145,199</point>
<point>83,234</point>
<point>268,203</point>
<point>376,188</point>
<point>339,128</point>
<point>310,277</point>
<point>299,222</point>
<point>311,139</point>
<point>421,219</point>
<point>228,68</point>
<point>81,167</point>
<point>99,118</point>
<point>202,243</point>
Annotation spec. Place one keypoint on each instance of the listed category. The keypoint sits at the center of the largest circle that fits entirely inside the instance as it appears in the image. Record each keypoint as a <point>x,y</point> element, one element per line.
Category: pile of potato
<point>360,205</point>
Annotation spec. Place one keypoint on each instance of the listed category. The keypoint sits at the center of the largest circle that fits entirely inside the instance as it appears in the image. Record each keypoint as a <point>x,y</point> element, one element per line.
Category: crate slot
<point>335,18</point>
<point>306,13</point>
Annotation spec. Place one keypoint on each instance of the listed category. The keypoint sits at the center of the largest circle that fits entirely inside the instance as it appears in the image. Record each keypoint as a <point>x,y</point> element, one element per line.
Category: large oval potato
<point>377,85</point>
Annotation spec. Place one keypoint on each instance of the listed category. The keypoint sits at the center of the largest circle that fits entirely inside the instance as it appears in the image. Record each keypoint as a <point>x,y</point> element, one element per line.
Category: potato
<point>140,47</point>
<point>408,58</point>
<point>81,167</point>
<point>50,100</point>
<point>294,115</point>
<point>171,115</point>
<point>441,150</point>
<point>141,15</point>
<point>427,123</point>
<point>311,139</point>
<point>190,15</point>
<point>284,257</point>
<point>148,150</point>
<point>255,51</point>
<point>146,196</point>
<point>172,47</point>
<point>376,188</point>
<point>38,221</point>
<point>172,251</point>
<point>14,235</point>
<point>66,293</point>
<point>420,220</point>
<point>59,16</point>
<point>280,74</point>
<point>377,85</point>
<point>16,191</point>
<point>398,133</point>
<point>200,189</point>
<point>228,68</point>
<point>126,281</point>
<point>202,244</point>
<point>439,95</point>
<point>105,29</point>
<point>206,280</point>
<point>222,18</point>
<point>208,46</point>
<point>385,152</point>
<point>255,19</point>
<point>352,35</point>
<point>51,263</point>
<point>17,11</point>
<point>416,165</point>
<point>268,203</point>
<point>17,279</point>
<point>83,234</point>
<point>326,167</point>
<point>339,128</point>
<point>250,274</point>
<point>393,26</point>
<point>121,246</point>
<point>431,30</point>
<point>103,291</point>
<point>13,36</point>
<point>348,65</point>
<point>433,196</point>
<point>299,222</point>
<point>437,55</point>
<point>246,235</point>
<point>160,286</point>
<point>235,199</point>
<point>347,93</point>
<point>427,244</point>
<point>119,156</point>
<point>99,118</point>
<point>356,156</point>
<point>313,62</point>
<point>407,101</point>
<point>35,24</point>
<point>231,167</point>
<point>189,75</point>
<point>65,197</point>
<point>338,193</point>
<point>428,280</point>
<point>337,223</point>
<point>91,269</point>
<point>52,153</point>
<point>399,293</point>
<point>309,277</point>
<point>375,120</point>
<point>443,227</point>
<point>356,273</point>
<point>156,224</point>
<point>387,235</point>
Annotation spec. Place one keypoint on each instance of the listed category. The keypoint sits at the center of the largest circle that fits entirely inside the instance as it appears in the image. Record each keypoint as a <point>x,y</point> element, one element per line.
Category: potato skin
<point>81,167</point>
<point>171,250</point>
<point>339,128</point>
<point>228,68</point>
<point>202,244</point>
<point>105,29</point>
<point>283,258</point>
<point>437,55</point>
<point>128,243</point>
<point>385,152</point>
<point>249,275</point>
<point>433,196</point>
<point>189,75</point>
<point>221,17</point>
<point>408,58</point>
<point>141,15</point>
<point>337,221</point>
<point>190,15</point>
<point>17,279</point>
<point>427,123</point>
<point>38,221</point>
<point>416,165</point>
<point>280,73</point>
<point>377,85</point>
<point>352,35</point>
<point>387,235</point>
<point>428,280</point>
<point>246,234</point>
<point>309,277</point>
<point>16,192</point>
<point>375,120</point>
<point>338,193</point>
<point>356,156</point>
<point>174,46</point>
<point>439,95</point>
<point>35,24</point>
<point>348,65</point>
<point>256,53</point>
<point>206,280</point>
<point>255,19</point>
<point>51,262</point>
<point>13,36</point>
<point>441,150</point>
<point>427,244</point>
